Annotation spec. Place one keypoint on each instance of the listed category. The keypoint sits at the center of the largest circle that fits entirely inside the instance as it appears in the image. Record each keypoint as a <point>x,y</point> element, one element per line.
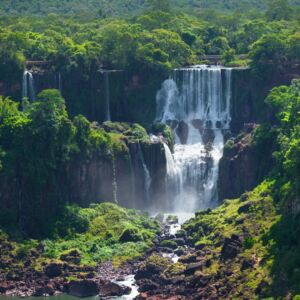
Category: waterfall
<point>59,81</point>
<point>28,89</point>
<point>195,102</point>
<point>147,176</point>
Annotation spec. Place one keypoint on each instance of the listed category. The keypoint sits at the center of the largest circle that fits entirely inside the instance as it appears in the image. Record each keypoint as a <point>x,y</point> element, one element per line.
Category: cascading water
<point>195,102</point>
<point>28,89</point>
<point>147,176</point>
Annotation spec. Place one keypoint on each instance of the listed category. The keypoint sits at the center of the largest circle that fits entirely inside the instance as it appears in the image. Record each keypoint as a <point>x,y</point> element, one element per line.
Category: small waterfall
<point>58,81</point>
<point>147,176</point>
<point>28,89</point>
<point>195,102</point>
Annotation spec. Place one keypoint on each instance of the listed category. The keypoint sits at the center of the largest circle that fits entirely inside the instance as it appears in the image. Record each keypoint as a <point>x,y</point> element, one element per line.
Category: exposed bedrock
<point>243,166</point>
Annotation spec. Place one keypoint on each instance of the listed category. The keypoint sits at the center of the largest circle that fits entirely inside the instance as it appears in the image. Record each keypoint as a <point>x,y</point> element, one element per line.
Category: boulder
<point>53,270</point>
<point>231,247</point>
<point>182,131</point>
<point>44,290</point>
<point>111,289</point>
<point>83,288</point>
<point>147,285</point>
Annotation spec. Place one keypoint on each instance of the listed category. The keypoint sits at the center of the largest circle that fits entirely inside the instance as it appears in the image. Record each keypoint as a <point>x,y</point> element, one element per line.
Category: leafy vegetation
<point>92,235</point>
<point>159,39</point>
<point>104,8</point>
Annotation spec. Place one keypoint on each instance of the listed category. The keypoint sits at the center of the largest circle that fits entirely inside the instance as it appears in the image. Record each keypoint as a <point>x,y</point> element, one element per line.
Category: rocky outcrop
<point>239,169</point>
<point>232,246</point>
<point>112,289</point>
<point>83,288</point>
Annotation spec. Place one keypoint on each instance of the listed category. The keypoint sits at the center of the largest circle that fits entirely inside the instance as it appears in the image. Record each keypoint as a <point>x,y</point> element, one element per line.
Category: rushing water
<point>195,102</point>
<point>28,88</point>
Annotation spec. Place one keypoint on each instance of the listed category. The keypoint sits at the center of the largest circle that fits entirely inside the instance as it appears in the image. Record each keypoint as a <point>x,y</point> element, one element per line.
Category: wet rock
<point>245,208</point>
<point>111,289</point>
<point>182,131</point>
<point>232,246</point>
<point>45,290</point>
<point>83,288</point>
<point>172,123</point>
<point>198,124</point>
<point>193,267</point>
<point>164,250</point>
<point>53,270</point>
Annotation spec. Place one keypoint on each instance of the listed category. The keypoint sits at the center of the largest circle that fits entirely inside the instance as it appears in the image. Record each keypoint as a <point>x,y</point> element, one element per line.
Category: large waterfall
<point>195,102</point>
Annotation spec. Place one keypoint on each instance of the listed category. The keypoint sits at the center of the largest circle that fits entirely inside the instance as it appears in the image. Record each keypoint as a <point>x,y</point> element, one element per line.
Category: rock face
<point>83,288</point>
<point>53,270</point>
<point>240,168</point>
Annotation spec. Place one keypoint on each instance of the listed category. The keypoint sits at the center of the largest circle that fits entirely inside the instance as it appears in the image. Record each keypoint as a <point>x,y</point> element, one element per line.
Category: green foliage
<point>286,102</point>
<point>105,8</point>
<point>160,5</point>
<point>91,234</point>
<point>103,232</point>
<point>249,242</point>
<point>166,131</point>
<point>158,39</point>
<point>279,10</point>
<point>268,54</point>
<point>210,228</point>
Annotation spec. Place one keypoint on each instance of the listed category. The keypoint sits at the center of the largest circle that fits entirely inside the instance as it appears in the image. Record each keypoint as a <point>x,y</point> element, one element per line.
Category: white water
<point>199,97</point>
<point>130,282</point>
<point>28,89</point>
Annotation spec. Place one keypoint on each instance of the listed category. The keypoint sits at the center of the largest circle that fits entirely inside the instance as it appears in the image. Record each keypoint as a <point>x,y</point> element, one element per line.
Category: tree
<point>279,10</point>
<point>268,54</point>
<point>163,5</point>
<point>294,46</point>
